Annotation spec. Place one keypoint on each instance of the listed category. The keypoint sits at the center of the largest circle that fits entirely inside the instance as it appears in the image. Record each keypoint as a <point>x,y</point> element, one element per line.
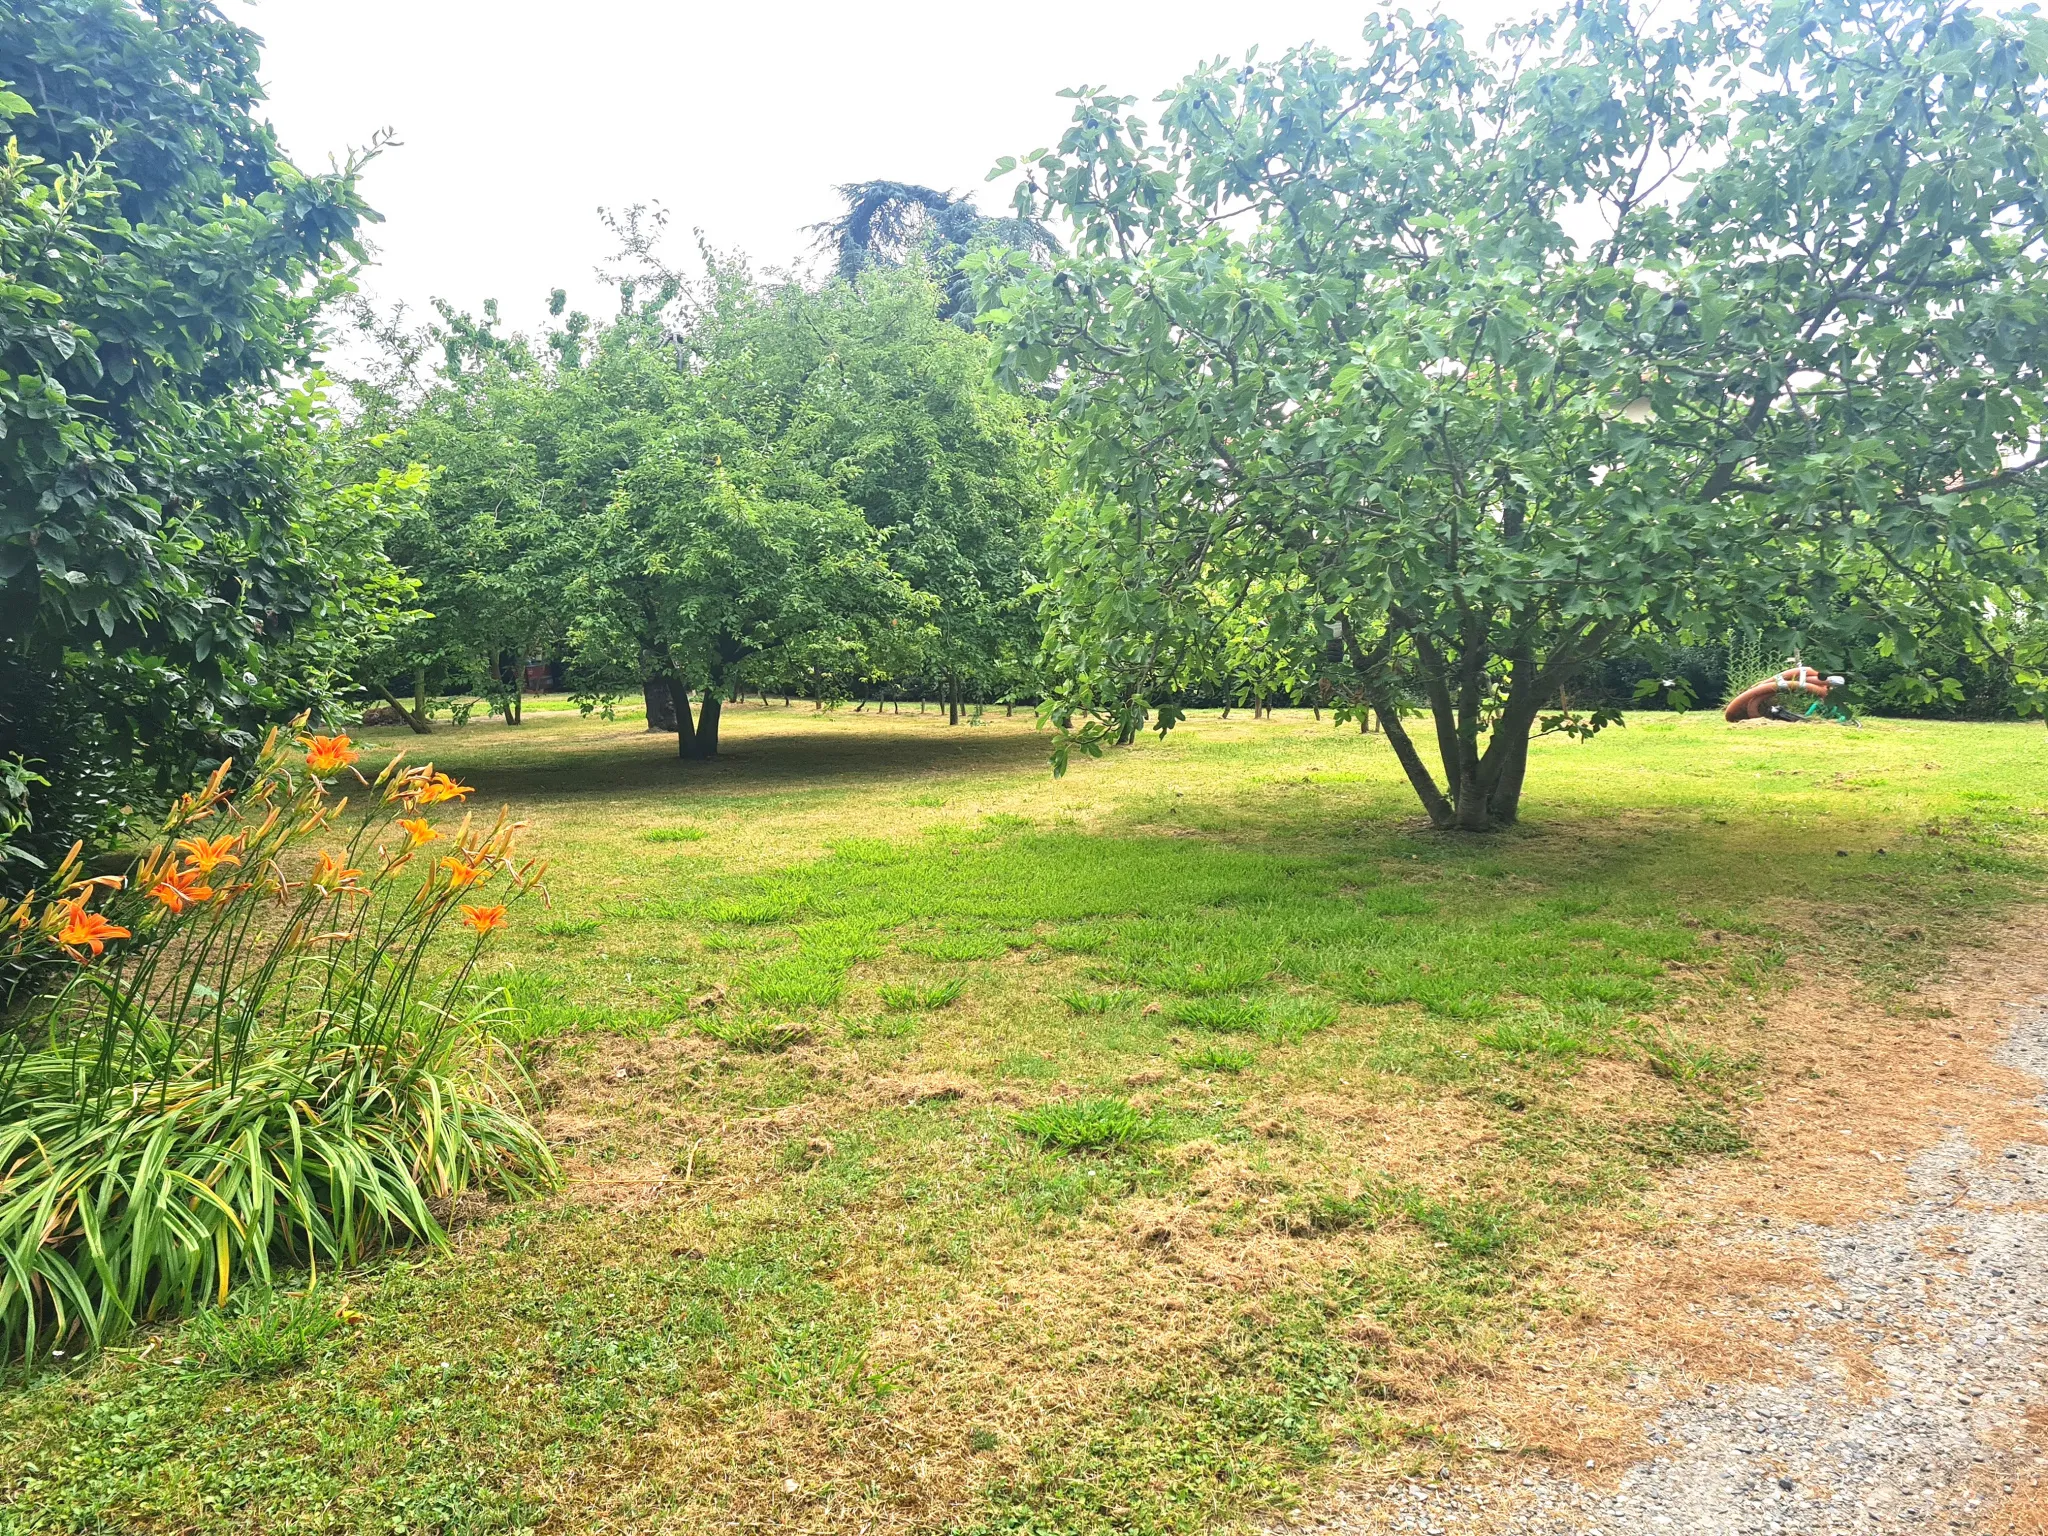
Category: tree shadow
<point>762,756</point>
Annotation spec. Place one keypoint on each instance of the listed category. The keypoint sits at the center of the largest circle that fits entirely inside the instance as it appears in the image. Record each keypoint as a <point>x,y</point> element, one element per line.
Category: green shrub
<point>1087,1124</point>
<point>248,1064</point>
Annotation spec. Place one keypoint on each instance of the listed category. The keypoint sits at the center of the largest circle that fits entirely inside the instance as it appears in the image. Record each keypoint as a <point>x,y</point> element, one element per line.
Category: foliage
<point>1469,366</point>
<point>922,999</point>
<point>261,1333</point>
<point>888,223</point>
<point>1086,1125</point>
<point>730,481</point>
<point>160,519</point>
<point>252,1061</point>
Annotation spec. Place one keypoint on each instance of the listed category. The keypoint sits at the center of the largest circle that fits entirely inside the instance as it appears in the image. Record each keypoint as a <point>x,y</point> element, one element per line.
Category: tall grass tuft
<point>260,1050</point>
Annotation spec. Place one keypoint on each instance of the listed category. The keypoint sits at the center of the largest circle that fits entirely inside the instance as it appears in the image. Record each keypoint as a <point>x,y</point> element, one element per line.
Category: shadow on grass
<point>759,751</point>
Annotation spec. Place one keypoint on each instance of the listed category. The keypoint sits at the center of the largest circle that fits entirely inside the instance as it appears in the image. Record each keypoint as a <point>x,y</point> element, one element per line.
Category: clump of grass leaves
<point>673,835</point>
<point>1682,1060</point>
<point>745,1032</point>
<point>1086,1125</point>
<point>236,1058</point>
<point>922,999</point>
<point>1097,1002</point>
<point>1219,1057</point>
<point>1285,1019</point>
<point>263,1333</point>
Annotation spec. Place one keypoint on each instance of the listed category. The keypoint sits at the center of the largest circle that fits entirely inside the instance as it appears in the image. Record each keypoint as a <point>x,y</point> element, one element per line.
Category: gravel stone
<point>1949,1287</point>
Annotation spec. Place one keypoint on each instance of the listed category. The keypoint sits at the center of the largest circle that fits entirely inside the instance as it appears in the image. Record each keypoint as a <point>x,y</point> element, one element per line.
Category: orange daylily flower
<point>330,877</point>
<point>483,919</point>
<point>181,888</point>
<point>328,754</point>
<point>207,854</point>
<point>83,928</point>
<point>436,787</point>
<point>461,872</point>
<point>418,829</point>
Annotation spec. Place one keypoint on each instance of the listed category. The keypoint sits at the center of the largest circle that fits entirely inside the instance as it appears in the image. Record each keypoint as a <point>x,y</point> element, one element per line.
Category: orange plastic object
<point>1752,702</point>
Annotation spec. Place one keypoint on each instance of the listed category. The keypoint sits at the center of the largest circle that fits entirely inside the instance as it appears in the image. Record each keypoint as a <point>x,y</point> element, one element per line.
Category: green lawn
<point>953,1148</point>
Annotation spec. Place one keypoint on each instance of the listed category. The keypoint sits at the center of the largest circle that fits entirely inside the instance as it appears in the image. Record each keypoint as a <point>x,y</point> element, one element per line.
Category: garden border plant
<point>261,1055</point>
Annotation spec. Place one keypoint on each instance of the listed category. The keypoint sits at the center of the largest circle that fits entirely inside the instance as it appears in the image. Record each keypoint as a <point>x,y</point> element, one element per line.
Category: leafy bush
<point>1087,1124</point>
<point>250,1061</point>
<point>922,999</point>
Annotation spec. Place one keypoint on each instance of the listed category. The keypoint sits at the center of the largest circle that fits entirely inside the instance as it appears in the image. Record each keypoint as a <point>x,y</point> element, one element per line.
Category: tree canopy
<point>1475,364</point>
<point>729,480</point>
<point>161,264</point>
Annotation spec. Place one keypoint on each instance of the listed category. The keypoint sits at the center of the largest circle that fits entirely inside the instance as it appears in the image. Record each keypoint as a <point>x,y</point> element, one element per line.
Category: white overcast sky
<point>519,120</point>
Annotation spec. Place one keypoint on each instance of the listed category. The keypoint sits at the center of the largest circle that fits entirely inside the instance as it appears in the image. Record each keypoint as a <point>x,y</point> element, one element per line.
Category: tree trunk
<point>685,728</point>
<point>707,723</point>
<point>661,704</point>
<point>952,701</point>
<point>1506,801</point>
<point>419,698</point>
<point>417,723</point>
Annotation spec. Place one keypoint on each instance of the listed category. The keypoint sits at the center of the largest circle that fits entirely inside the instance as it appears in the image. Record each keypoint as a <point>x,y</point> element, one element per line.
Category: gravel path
<point>1949,1291</point>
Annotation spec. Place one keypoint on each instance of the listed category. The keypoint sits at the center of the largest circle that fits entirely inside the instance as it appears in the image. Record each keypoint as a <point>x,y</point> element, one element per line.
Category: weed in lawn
<point>262,1332</point>
<point>1285,1020</point>
<point>1219,1057</point>
<point>1086,1125</point>
<point>963,944</point>
<point>1290,1019</point>
<point>891,1026</point>
<point>1696,1130</point>
<point>1223,1015</point>
<point>1098,1002</point>
<point>759,1036</point>
<point>797,981</point>
<point>1200,979</point>
<point>1683,1060</point>
<point>673,835</point>
<point>536,1008</point>
<point>568,927</point>
<point>1535,1034</point>
<point>911,999</point>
